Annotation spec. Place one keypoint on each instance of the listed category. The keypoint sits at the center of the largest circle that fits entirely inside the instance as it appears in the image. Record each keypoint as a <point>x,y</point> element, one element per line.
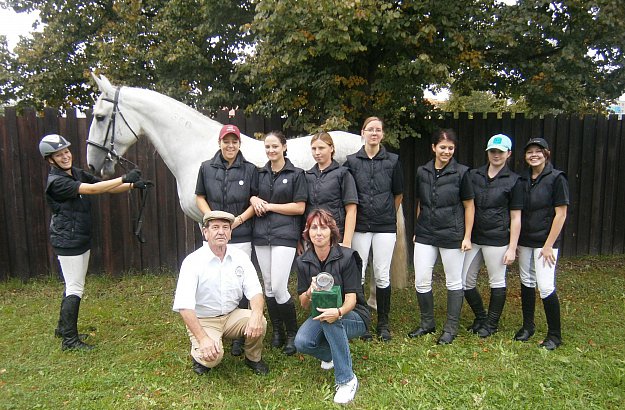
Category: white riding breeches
<point>535,272</point>
<point>424,260</point>
<point>74,269</point>
<point>383,244</point>
<point>492,257</point>
<point>275,265</point>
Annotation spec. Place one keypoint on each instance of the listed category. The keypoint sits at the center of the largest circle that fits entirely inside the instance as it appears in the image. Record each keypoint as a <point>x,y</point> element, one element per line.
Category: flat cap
<point>212,215</point>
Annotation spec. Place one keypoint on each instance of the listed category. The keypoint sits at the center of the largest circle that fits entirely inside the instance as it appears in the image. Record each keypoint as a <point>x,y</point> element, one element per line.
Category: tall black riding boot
<point>383,301</point>
<point>552,311</point>
<point>495,307</point>
<point>367,335</point>
<point>58,332</point>
<point>289,315</point>
<point>454,307</point>
<point>477,306</point>
<point>237,344</point>
<point>69,318</point>
<point>426,307</point>
<point>528,303</point>
<point>277,339</point>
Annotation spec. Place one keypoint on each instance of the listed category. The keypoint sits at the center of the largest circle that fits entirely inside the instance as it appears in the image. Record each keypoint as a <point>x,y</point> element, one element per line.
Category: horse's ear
<point>103,83</point>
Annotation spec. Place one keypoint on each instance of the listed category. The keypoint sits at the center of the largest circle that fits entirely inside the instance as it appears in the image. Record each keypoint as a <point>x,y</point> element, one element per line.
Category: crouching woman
<point>327,335</point>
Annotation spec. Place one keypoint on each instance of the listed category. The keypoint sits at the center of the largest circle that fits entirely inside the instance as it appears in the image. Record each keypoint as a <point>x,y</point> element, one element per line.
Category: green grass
<point>141,360</point>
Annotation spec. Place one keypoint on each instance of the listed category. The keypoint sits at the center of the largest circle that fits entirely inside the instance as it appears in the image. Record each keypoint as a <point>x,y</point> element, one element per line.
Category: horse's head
<point>110,134</point>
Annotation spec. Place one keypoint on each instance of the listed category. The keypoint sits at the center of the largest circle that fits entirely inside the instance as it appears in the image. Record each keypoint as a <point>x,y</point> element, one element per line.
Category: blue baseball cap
<point>500,142</point>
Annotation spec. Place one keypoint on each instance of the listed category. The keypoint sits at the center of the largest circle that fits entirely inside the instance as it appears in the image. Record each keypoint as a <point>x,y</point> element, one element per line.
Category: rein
<point>111,155</point>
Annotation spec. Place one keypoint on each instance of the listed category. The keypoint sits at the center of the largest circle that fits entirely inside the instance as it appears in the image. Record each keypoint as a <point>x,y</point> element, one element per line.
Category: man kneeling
<point>212,281</point>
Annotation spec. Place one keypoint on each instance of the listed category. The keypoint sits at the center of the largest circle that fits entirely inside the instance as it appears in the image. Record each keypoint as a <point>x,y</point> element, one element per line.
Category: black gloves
<point>132,176</point>
<point>141,184</point>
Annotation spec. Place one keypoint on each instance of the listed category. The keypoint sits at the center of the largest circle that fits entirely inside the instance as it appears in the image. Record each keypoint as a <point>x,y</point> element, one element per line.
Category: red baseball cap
<point>229,129</point>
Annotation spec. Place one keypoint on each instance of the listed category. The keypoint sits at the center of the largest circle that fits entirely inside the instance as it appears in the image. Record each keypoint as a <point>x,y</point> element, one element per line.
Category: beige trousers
<point>230,326</point>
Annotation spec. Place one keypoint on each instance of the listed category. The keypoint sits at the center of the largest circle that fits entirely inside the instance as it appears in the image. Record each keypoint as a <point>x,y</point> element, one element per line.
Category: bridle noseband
<point>111,154</point>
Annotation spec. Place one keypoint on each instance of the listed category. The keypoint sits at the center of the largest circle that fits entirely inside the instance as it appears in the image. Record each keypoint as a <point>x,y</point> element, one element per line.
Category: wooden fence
<point>590,149</point>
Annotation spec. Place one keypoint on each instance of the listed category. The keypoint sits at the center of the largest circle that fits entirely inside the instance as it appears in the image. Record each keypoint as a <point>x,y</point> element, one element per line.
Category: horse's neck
<point>182,136</point>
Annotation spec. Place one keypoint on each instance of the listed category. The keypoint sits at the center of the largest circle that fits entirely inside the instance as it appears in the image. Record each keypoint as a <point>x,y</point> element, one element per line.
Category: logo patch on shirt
<point>238,271</point>
<point>284,181</point>
<point>241,182</point>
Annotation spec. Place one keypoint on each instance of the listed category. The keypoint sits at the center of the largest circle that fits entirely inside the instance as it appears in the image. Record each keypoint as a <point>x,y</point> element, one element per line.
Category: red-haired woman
<point>327,335</point>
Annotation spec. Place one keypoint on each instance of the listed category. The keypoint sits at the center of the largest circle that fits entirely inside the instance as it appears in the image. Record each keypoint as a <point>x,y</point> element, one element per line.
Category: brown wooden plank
<point>573,175</point>
<point>597,188</point>
<point>586,171</point>
<point>619,223</point>
<point>521,135</point>
<point>13,195</point>
<point>33,187</point>
<point>611,209</point>
<point>5,213</point>
<point>559,157</point>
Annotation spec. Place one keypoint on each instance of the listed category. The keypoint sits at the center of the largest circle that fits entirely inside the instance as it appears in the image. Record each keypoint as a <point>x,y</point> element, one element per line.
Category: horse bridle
<point>110,130</point>
<point>112,154</point>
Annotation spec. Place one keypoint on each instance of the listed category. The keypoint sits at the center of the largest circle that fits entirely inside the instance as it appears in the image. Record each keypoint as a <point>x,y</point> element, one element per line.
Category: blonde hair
<point>324,137</point>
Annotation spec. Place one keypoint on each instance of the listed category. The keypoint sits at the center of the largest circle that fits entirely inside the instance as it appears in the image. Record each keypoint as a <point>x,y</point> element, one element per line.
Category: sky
<point>13,24</point>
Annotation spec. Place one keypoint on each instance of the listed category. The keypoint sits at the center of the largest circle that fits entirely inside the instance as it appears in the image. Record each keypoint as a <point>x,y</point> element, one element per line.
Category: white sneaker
<point>346,392</point>
<point>327,365</point>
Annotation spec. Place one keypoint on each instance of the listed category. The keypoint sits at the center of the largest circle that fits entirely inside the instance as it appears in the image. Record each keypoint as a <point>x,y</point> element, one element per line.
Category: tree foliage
<point>565,55</point>
<point>330,64</point>
<point>325,64</point>
<point>187,49</point>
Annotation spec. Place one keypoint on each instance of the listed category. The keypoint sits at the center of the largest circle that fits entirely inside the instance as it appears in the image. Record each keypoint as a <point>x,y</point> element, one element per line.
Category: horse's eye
<point>99,117</point>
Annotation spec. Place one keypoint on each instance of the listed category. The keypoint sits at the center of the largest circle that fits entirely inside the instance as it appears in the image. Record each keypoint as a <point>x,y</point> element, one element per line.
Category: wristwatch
<point>340,314</point>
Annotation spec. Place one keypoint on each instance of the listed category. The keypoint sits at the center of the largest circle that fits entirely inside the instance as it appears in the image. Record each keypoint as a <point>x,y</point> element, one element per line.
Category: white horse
<point>183,137</point>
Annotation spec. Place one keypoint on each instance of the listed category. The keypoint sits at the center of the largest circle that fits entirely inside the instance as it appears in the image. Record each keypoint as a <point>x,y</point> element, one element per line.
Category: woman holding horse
<point>332,187</point>
<point>67,192</point>
<point>281,200</point>
<point>544,213</point>
<point>326,334</point>
<point>498,205</point>
<point>380,183</point>
<point>445,212</point>
<point>226,183</point>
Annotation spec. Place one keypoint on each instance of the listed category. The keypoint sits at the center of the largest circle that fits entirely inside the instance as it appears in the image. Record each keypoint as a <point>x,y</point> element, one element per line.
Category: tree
<point>188,49</point>
<point>7,85</point>
<point>329,64</point>
<point>565,55</point>
<point>325,64</point>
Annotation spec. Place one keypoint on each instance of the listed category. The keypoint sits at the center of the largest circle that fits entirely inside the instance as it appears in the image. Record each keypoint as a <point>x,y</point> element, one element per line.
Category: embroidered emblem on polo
<point>241,182</point>
<point>284,181</point>
<point>238,271</point>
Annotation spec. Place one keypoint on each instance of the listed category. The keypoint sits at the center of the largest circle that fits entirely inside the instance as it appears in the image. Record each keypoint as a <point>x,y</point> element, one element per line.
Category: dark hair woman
<point>445,212</point>
<point>327,335</point>
<point>67,192</point>
<point>495,235</point>
<point>380,184</point>
<point>544,213</point>
<point>281,200</point>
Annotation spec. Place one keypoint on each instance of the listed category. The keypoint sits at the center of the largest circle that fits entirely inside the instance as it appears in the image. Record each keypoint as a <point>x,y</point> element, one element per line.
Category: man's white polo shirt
<point>212,287</point>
